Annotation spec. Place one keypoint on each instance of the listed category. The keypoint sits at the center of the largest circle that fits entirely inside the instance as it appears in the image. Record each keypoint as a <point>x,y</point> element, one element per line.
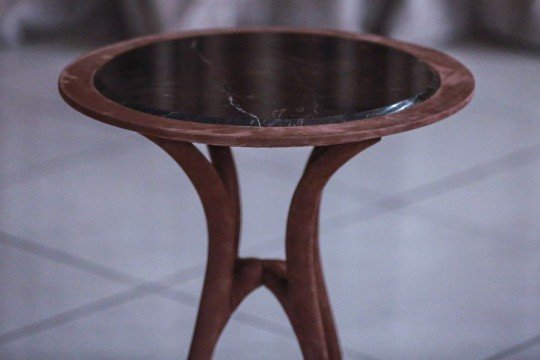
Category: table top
<point>266,87</point>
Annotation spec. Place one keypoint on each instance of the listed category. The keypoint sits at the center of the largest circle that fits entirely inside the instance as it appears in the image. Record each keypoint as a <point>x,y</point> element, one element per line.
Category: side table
<point>265,87</point>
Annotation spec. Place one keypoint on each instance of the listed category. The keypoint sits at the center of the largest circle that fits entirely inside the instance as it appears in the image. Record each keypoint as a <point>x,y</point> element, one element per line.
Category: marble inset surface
<point>266,79</point>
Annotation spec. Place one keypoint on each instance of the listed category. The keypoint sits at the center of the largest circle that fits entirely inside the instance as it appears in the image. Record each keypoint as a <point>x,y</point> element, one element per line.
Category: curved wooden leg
<point>307,299</point>
<point>297,282</point>
<point>217,187</point>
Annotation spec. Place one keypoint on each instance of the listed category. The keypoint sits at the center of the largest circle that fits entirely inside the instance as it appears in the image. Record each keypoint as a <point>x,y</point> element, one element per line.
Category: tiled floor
<point>430,239</point>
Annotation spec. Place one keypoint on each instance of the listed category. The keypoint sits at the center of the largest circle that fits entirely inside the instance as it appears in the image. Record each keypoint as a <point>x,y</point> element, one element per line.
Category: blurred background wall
<point>424,21</point>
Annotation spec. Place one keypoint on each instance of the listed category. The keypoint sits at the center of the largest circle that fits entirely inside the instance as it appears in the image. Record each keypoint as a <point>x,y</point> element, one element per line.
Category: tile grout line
<point>129,295</point>
<point>515,349</point>
<point>385,203</point>
<point>63,163</point>
<point>141,288</point>
<point>99,305</point>
<point>468,176</point>
<point>442,185</point>
<point>65,258</point>
<point>463,178</point>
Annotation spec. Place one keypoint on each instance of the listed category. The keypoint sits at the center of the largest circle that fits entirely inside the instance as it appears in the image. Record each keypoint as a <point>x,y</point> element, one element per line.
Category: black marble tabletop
<point>266,79</point>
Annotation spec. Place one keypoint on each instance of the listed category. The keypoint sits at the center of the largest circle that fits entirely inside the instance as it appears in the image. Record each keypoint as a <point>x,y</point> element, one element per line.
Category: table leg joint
<point>297,282</point>
<point>251,273</point>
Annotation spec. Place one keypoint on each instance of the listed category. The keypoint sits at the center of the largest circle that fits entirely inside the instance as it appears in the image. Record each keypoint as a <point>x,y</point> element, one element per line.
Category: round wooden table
<point>273,87</point>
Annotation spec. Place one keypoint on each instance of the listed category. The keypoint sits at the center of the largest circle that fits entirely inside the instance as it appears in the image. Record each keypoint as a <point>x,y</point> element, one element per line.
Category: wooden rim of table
<point>76,85</point>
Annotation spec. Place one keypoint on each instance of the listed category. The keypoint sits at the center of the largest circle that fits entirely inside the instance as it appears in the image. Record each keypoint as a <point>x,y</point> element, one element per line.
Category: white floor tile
<point>509,202</point>
<point>34,289</point>
<point>451,275</point>
<point>404,288</point>
<point>527,354</point>
<point>148,328</point>
<point>135,212</point>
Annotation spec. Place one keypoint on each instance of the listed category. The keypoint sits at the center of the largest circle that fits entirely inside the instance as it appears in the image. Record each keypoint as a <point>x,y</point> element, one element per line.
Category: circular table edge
<point>77,88</point>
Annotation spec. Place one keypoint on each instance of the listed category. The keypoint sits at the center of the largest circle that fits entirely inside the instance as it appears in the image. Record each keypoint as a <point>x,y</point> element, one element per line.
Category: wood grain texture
<point>457,85</point>
<point>297,281</point>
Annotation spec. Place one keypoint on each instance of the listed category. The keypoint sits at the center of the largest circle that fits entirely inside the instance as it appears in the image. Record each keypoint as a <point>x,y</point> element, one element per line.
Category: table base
<point>297,282</point>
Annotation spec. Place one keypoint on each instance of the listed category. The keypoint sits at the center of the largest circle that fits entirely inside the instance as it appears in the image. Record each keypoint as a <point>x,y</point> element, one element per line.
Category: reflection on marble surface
<point>266,79</point>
